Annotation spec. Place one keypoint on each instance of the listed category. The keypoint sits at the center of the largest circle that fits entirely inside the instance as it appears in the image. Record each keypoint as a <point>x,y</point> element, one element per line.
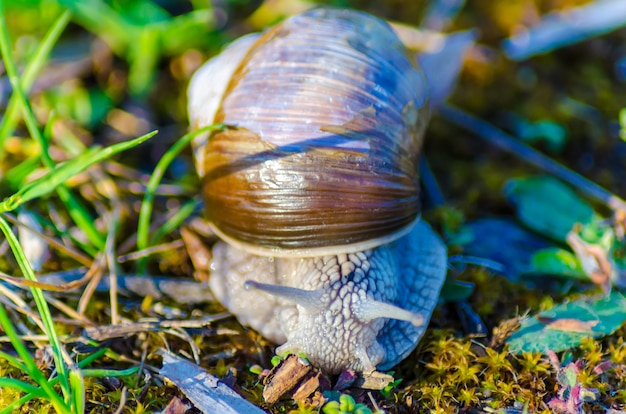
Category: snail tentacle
<point>369,309</point>
<point>311,300</point>
<point>365,309</point>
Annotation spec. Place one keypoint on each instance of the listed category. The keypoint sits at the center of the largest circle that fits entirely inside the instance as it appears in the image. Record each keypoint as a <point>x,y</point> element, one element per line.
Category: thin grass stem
<point>85,362</point>
<point>42,307</point>
<point>145,212</point>
<point>32,69</point>
<point>77,211</point>
<point>176,220</point>
<point>29,362</point>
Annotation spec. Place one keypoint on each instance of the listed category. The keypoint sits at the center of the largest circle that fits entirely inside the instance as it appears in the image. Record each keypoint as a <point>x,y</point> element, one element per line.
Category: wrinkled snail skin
<point>314,189</point>
<point>334,321</point>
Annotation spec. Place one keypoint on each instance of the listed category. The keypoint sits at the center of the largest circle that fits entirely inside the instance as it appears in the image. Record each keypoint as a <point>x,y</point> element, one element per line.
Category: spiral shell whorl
<point>329,115</point>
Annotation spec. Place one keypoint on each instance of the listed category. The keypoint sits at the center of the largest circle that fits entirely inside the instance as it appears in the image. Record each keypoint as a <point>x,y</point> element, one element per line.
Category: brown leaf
<point>594,260</point>
<point>619,223</point>
<point>199,253</point>
<point>569,325</point>
<point>176,406</point>
<point>373,380</point>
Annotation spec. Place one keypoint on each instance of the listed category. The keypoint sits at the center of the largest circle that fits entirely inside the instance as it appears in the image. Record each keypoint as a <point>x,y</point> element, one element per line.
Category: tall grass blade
<point>143,225</point>
<point>176,220</point>
<point>22,386</point>
<point>61,173</point>
<point>77,211</point>
<point>22,351</point>
<point>77,385</point>
<point>10,116</point>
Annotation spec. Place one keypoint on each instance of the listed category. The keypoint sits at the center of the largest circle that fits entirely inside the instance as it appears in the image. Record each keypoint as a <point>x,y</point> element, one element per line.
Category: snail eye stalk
<point>365,310</point>
<point>311,300</point>
<point>370,309</point>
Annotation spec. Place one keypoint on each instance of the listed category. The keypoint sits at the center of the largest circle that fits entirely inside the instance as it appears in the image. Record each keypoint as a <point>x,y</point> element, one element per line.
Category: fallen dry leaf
<point>199,254</point>
<point>373,380</point>
<point>594,260</point>
<point>569,325</point>
<point>176,406</point>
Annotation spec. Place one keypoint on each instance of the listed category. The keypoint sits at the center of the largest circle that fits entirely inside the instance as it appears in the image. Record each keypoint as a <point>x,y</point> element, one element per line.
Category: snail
<point>314,189</point>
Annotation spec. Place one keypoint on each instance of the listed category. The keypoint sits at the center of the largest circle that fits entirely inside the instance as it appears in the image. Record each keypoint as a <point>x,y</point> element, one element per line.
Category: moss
<point>575,88</point>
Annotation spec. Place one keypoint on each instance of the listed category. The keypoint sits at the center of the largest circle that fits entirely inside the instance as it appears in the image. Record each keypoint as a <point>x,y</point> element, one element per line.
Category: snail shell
<point>329,121</point>
<point>319,169</point>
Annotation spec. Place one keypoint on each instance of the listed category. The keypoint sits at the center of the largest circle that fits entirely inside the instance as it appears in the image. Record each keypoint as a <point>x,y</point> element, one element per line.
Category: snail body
<point>314,188</point>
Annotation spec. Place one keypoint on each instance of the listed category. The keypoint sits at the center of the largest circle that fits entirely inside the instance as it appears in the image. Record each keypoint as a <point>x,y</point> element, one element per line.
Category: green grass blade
<point>13,407</point>
<point>143,225</point>
<point>22,351</point>
<point>101,19</point>
<point>45,184</point>
<point>10,358</point>
<point>16,175</point>
<point>88,360</point>
<point>77,384</point>
<point>79,214</point>
<point>68,169</point>
<point>18,92</point>
<point>44,312</point>
<point>101,373</point>
<point>176,220</point>
<point>22,386</point>
<point>143,60</point>
<point>39,59</point>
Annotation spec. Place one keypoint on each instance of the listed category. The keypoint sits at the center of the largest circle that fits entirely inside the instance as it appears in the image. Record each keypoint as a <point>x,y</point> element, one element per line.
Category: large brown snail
<point>314,188</point>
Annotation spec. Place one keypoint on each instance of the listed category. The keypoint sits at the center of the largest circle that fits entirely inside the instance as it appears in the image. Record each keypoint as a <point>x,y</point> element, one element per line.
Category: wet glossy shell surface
<point>327,115</point>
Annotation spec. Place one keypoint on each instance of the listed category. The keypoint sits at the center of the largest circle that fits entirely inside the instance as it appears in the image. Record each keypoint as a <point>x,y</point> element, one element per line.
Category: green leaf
<point>548,206</point>
<point>346,403</point>
<point>603,315</point>
<point>488,235</point>
<point>276,360</point>
<point>557,262</point>
<point>386,392</point>
<point>331,408</point>
<point>454,290</point>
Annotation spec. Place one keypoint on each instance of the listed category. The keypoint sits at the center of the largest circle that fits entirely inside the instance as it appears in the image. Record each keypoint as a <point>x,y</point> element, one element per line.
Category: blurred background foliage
<point>120,70</point>
<point>122,67</point>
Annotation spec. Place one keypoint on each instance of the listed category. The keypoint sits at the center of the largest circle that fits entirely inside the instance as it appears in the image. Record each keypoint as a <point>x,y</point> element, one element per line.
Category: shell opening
<point>315,251</point>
